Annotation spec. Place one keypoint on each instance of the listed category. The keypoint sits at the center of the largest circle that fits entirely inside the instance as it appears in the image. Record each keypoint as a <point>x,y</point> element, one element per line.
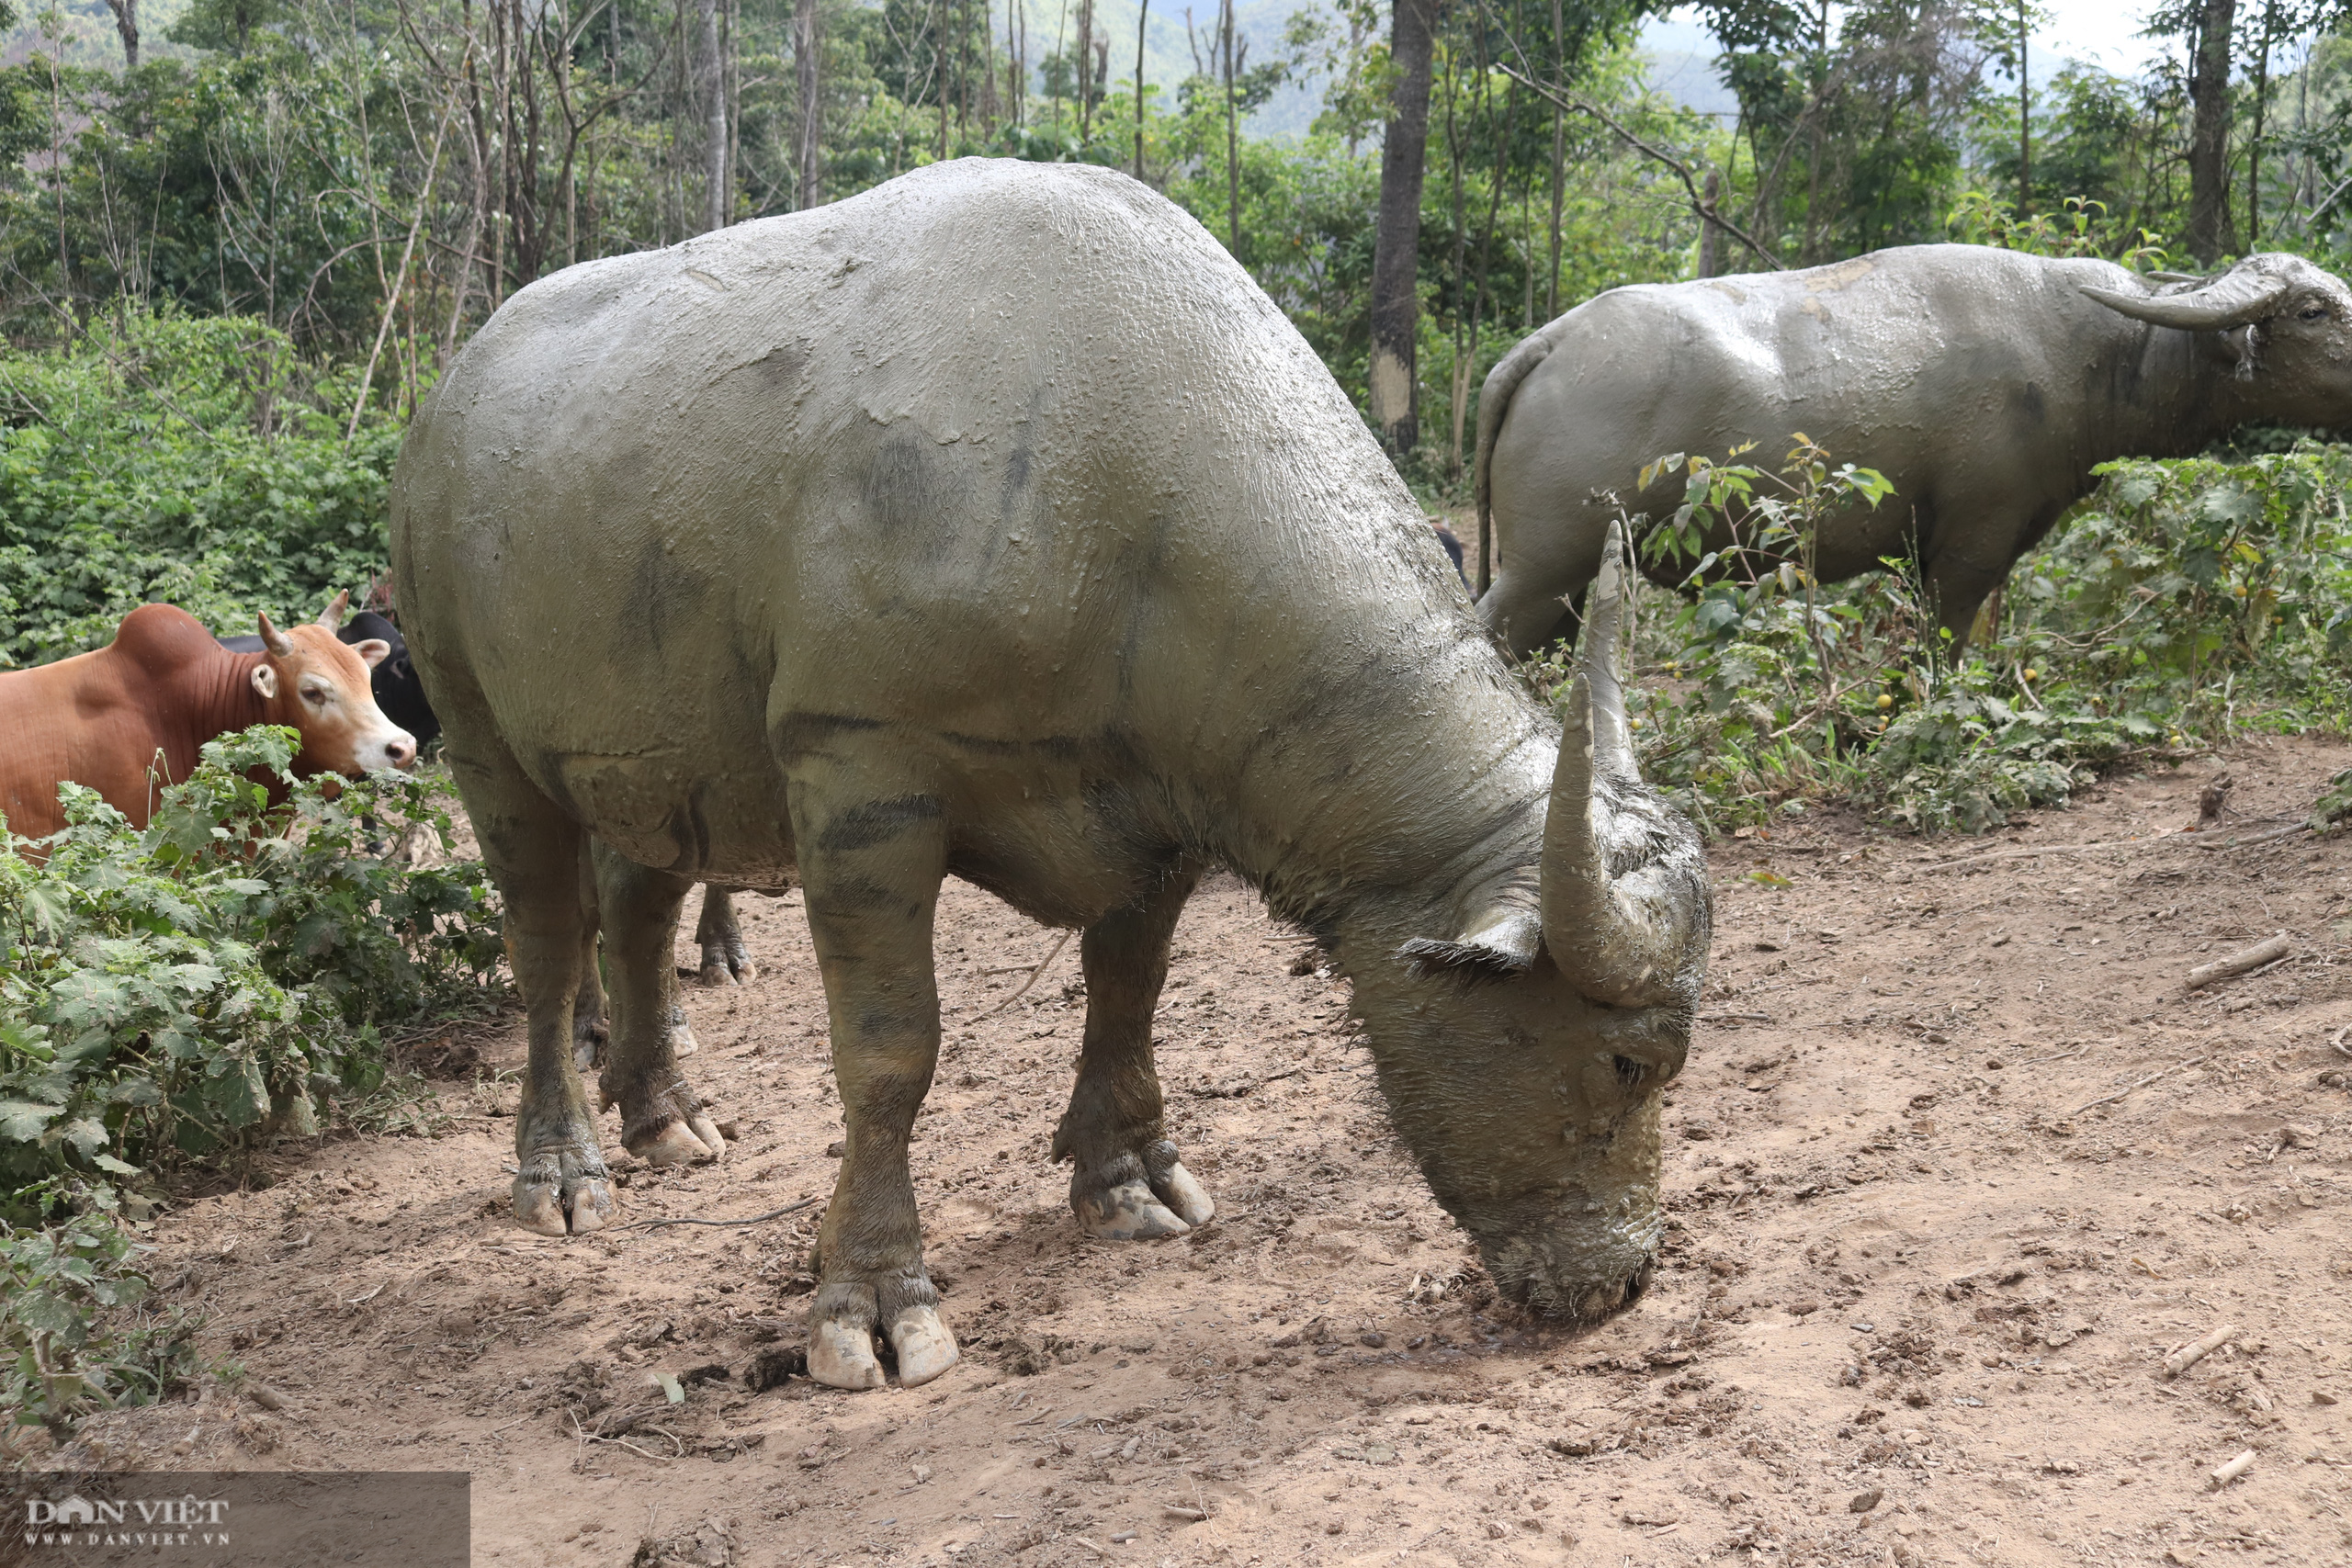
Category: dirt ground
<point>1915,1306</point>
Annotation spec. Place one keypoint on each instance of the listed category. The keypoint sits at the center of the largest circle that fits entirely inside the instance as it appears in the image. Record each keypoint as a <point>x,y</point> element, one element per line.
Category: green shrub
<point>173,988</point>
<point>181,989</point>
<point>192,460</point>
<point>73,1333</point>
<point>2182,601</point>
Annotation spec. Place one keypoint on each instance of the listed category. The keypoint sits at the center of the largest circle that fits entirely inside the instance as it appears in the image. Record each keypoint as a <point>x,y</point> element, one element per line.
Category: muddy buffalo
<point>993,523</point>
<point>1984,383</point>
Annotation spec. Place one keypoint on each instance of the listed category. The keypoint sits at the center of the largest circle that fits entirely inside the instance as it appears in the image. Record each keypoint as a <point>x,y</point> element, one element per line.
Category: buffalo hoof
<point>726,964</point>
<point>555,1196</point>
<point>1186,1196</point>
<point>841,1355</point>
<point>1129,1211</point>
<point>680,1142</point>
<point>1139,1197</point>
<point>924,1347</point>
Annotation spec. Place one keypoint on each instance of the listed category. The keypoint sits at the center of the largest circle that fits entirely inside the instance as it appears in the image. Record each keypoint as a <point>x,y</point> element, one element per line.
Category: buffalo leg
<point>589,1026</point>
<point>1957,587</point>
<point>589,1029</point>
<point>1525,617</point>
<point>871,867</point>
<point>533,851</point>
<point>1126,1181</point>
<point>725,959</point>
<point>662,1119</point>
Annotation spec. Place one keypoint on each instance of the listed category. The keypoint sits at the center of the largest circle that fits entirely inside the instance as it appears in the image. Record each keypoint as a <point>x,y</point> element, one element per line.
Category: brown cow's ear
<point>332,616</point>
<point>374,649</point>
<point>264,676</point>
<point>277,642</point>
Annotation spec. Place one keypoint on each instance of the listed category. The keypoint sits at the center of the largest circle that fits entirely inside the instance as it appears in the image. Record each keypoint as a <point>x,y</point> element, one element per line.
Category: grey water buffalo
<point>993,523</point>
<point>1983,383</point>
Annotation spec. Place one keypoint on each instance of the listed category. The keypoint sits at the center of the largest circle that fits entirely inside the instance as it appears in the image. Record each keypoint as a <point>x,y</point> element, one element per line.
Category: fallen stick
<point>2196,1351</point>
<point>2232,1471</point>
<point>1181,1512</point>
<point>2119,1094</point>
<point>2270,950</point>
<point>753,1220</point>
<point>1043,964</point>
<point>1734,1018</point>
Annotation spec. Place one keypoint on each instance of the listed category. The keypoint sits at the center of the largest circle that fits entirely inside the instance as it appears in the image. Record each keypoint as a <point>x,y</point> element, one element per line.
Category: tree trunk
<point>1085,70</point>
<point>1711,240</point>
<point>804,47</point>
<point>1397,230</point>
<point>1232,145</point>
<point>2025,117</point>
<point>1143,15</point>
<point>1559,158</point>
<point>2254,143</point>
<point>126,22</point>
<point>2209,132</point>
<point>714,106</point>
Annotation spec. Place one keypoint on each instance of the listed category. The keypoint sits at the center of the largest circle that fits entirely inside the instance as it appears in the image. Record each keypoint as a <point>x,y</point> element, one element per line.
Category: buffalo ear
<point>1495,948</point>
<point>374,650</point>
<point>265,678</point>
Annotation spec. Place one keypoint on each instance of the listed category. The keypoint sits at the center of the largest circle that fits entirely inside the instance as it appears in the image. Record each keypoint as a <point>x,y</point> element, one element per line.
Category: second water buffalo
<point>1985,384</point>
<point>993,523</point>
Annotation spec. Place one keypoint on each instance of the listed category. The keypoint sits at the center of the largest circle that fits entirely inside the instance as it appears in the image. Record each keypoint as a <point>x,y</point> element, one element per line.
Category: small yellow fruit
<point>2034,675</point>
<point>1633,724</point>
<point>1884,701</point>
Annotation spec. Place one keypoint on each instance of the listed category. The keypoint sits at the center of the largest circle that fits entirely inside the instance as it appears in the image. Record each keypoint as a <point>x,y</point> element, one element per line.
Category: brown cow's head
<point>319,686</point>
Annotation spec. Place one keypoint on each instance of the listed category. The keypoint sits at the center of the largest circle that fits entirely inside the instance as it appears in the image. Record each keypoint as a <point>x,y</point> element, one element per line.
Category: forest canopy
<point>373,177</point>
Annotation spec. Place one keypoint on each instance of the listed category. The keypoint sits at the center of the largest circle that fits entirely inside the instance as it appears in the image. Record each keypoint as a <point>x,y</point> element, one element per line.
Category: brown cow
<point>130,717</point>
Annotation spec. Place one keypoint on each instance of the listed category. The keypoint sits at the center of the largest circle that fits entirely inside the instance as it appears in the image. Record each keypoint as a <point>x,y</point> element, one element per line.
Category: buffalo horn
<point>277,642</point>
<point>1621,937</point>
<point>2238,296</point>
<point>332,616</point>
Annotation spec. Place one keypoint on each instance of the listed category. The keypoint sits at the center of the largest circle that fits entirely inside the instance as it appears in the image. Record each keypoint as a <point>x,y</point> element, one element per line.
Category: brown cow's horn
<point>2243,293</point>
<point>277,642</point>
<point>1621,937</point>
<point>332,616</point>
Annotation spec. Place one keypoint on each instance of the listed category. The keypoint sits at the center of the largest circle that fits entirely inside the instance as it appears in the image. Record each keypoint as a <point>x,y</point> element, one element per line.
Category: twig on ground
<point>2143,1083</point>
<point>2196,1351</point>
<point>2336,1040</point>
<point>1059,943</point>
<point>2232,1471</point>
<point>2270,950</point>
<point>1734,1018</point>
<point>2061,1056</point>
<point>753,1220</point>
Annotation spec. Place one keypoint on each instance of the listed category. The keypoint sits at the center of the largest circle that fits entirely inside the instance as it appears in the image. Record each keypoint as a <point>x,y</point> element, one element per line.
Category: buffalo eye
<point>2314,313</point>
<point>315,696</point>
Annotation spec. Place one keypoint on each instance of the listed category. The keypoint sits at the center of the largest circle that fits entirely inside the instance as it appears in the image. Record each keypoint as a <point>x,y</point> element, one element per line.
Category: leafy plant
<point>193,460</point>
<point>233,964</point>
<point>2182,601</point>
<point>73,1336</point>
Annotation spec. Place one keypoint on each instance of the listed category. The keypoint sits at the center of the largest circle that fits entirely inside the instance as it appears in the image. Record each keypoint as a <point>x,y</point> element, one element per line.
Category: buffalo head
<point>1537,1042</point>
<point>2291,322</point>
